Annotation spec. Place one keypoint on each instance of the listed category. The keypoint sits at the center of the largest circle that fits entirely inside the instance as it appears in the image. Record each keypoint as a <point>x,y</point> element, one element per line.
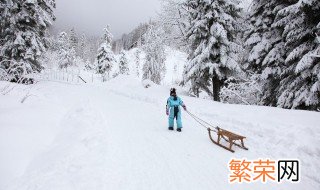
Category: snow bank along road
<point>114,136</point>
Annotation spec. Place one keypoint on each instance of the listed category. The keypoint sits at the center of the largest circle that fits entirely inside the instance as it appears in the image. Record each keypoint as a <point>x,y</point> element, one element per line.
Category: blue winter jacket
<point>171,102</point>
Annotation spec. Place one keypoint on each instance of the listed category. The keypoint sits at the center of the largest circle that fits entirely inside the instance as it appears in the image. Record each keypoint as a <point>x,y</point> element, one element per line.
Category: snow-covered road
<point>114,136</point>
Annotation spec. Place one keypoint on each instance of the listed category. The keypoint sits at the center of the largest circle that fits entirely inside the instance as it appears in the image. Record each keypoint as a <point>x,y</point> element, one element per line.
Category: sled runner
<point>228,136</point>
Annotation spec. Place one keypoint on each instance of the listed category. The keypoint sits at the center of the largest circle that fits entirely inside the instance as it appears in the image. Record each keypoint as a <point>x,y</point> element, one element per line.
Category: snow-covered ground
<point>114,135</point>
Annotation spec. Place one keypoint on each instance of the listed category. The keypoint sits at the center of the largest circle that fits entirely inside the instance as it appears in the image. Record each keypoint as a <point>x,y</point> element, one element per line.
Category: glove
<point>167,112</point>
<point>184,107</point>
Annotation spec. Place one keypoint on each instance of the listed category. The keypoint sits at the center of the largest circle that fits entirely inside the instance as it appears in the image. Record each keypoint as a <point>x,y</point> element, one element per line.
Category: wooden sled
<point>228,136</point>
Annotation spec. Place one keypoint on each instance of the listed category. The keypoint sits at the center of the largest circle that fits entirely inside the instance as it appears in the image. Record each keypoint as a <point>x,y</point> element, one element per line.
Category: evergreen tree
<point>66,53</point>
<point>23,29</point>
<point>123,63</point>
<point>154,67</point>
<point>73,39</point>
<point>266,47</point>
<point>5,14</point>
<point>105,57</point>
<point>300,78</point>
<point>212,33</point>
<point>82,47</point>
<point>137,60</point>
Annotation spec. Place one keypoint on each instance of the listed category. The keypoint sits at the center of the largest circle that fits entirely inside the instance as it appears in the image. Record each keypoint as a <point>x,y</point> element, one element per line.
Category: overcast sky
<point>91,16</point>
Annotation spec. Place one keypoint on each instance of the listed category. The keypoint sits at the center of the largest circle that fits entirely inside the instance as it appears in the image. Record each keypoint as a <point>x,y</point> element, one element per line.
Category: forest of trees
<point>266,55</point>
<point>131,40</point>
<point>270,53</point>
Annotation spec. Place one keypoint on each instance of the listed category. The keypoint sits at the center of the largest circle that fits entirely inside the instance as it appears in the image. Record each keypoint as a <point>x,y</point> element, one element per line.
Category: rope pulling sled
<point>226,135</point>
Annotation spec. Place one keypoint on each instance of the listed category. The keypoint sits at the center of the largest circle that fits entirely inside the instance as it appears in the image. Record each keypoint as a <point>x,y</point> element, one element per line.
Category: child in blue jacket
<point>173,109</point>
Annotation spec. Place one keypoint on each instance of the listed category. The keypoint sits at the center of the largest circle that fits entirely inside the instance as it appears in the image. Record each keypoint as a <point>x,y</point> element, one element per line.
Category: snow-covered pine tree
<point>5,15</point>
<point>154,67</point>
<point>50,56</point>
<point>137,61</point>
<point>66,53</point>
<point>4,23</point>
<point>24,26</point>
<point>82,47</point>
<point>105,58</point>
<point>243,88</point>
<point>266,47</point>
<point>73,39</point>
<point>300,79</point>
<point>213,52</point>
<point>123,63</point>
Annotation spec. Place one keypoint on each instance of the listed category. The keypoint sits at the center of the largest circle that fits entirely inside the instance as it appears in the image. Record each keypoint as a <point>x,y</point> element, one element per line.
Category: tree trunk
<point>196,92</point>
<point>216,87</point>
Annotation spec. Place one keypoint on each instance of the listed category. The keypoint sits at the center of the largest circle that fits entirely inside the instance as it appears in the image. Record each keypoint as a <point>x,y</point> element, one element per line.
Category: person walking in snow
<point>173,109</point>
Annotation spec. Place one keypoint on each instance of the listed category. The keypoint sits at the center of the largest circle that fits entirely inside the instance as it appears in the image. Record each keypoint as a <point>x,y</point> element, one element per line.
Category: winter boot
<point>171,128</point>
<point>179,129</point>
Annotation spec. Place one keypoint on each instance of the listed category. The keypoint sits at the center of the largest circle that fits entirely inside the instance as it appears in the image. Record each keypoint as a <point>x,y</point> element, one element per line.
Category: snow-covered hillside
<point>114,136</point>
